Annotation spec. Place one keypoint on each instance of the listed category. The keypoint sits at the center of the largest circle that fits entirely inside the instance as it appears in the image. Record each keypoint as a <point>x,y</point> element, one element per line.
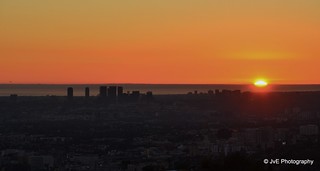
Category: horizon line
<point>154,84</point>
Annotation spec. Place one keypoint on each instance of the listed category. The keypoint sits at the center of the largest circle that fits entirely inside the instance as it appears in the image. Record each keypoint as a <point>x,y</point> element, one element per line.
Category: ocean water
<point>61,89</point>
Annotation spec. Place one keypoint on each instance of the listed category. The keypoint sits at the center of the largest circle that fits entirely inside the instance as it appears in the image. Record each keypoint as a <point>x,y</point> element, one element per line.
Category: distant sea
<point>160,89</point>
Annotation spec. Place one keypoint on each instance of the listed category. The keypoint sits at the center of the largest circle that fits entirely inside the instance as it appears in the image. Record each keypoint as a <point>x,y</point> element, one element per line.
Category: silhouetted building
<point>87,92</point>
<point>112,92</point>
<point>226,92</point>
<point>120,91</point>
<point>135,95</point>
<point>309,129</point>
<point>103,91</point>
<point>149,96</point>
<point>236,92</point>
<point>149,93</point>
<point>217,91</point>
<point>70,92</point>
<point>13,97</point>
<point>210,92</point>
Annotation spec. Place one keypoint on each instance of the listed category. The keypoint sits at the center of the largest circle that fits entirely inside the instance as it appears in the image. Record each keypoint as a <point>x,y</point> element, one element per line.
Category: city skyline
<point>159,42</point>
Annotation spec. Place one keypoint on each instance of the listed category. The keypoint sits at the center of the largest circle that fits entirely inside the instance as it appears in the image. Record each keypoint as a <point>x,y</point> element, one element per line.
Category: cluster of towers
<point>111,91</point>
<point>104,91</point>
<point>115,94</point>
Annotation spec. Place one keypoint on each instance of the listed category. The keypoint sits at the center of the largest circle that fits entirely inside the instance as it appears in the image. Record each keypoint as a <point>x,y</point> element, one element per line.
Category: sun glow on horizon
<point>261,83</point>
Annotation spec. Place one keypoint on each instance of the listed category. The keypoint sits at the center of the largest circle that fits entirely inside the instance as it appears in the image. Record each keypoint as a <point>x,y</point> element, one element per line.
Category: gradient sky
<point>159,41</point>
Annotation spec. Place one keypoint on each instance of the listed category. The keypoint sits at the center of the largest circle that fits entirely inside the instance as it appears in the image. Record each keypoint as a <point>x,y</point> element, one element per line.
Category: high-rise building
<point>70,92</point>
<point>87,91</point>
<point>112,92</point>
<point>120,91</point>
<point>103,91</point>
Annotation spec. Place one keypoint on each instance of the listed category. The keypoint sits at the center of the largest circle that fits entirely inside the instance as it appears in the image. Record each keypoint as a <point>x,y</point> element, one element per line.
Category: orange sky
<point>159,41</point>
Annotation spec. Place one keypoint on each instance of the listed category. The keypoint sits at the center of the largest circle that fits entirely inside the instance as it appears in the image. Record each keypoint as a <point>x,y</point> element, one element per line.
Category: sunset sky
<point>160,41</point>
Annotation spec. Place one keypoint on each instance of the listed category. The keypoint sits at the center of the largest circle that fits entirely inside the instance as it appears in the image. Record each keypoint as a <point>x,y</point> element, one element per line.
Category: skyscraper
<point>87,92</point>
<point>120,91</point>
<point>103,91</point>
<point>112,92</point>
<point>70,92</point>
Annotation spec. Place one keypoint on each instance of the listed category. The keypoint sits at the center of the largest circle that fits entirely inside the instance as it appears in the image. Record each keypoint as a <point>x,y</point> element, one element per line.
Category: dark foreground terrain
<point>214,131</point>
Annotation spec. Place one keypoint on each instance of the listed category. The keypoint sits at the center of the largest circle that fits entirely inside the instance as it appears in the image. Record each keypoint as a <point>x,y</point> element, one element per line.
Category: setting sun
<point>260,83</point>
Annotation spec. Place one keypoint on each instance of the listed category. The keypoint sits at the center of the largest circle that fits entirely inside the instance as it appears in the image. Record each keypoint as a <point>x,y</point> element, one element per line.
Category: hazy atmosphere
<point>160,41</point>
